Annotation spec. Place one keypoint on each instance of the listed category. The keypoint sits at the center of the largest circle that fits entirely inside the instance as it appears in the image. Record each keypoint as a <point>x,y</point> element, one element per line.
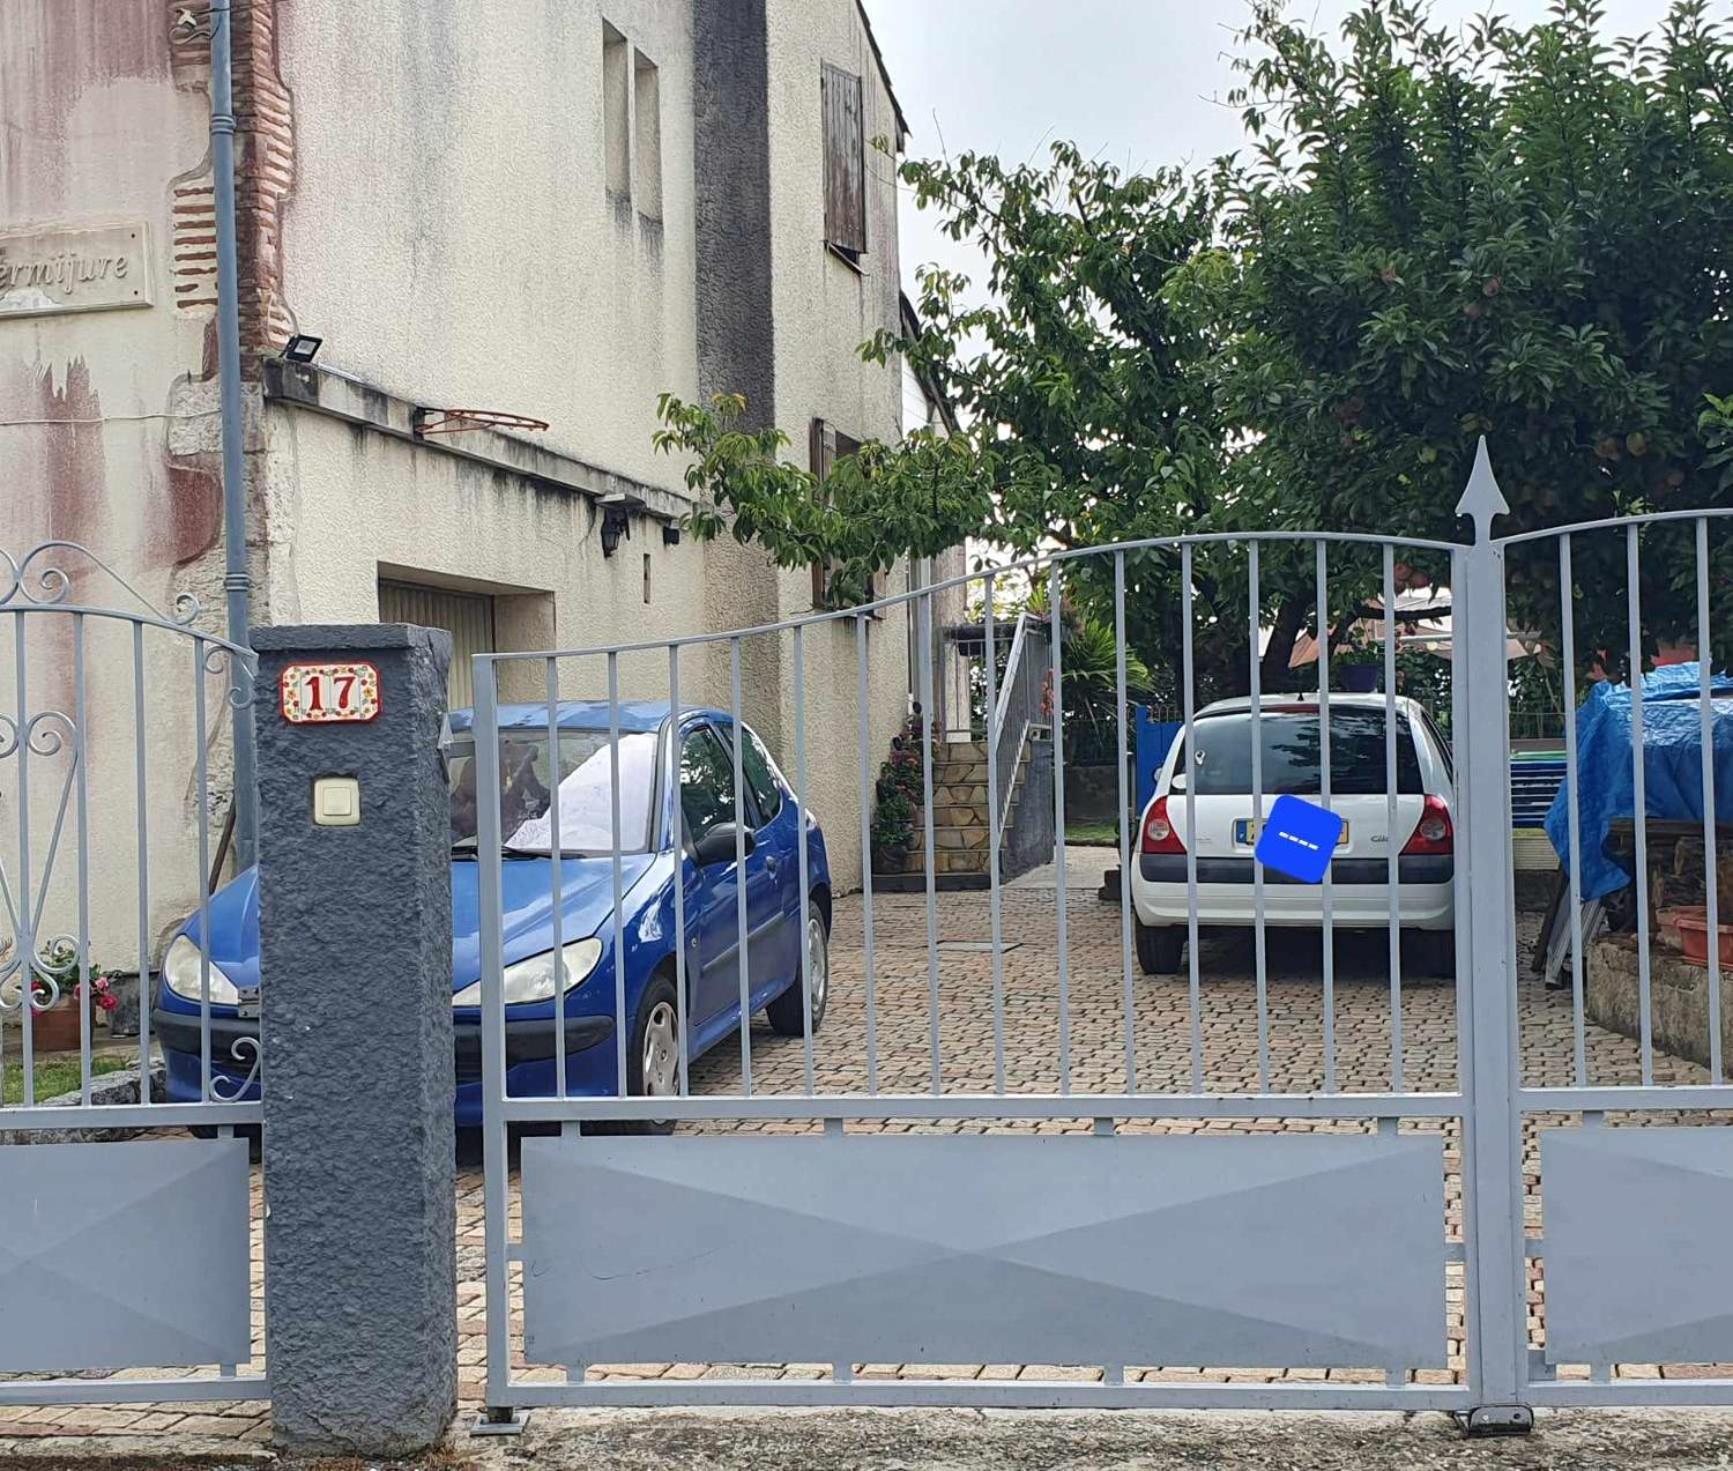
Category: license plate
<point>1244,836</point>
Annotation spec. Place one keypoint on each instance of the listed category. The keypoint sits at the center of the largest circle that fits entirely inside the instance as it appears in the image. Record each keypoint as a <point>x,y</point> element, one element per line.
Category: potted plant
<point>1360,667</point>
<point>56,996</point>
<point>893,832</point>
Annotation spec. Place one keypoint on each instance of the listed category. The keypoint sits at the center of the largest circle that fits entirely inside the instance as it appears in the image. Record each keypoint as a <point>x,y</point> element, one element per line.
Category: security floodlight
<point>302,349</point>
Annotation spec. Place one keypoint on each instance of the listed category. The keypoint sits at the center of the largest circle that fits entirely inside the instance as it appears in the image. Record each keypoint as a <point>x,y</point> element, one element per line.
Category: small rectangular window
<point>826,446</point>
<point>617,110</point>
<point>647,133</point>
<point>844,162</point>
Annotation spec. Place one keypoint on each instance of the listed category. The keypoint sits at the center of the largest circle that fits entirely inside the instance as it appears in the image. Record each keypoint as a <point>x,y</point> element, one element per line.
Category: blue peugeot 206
<point>780,918</point>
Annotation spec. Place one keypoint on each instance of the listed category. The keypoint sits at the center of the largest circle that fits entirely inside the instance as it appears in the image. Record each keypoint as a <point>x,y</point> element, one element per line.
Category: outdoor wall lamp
<point>615,524</point>
<point>302,349</point>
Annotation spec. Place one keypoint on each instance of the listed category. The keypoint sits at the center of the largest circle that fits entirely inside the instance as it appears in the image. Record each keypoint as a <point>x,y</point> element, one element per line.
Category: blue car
<point>780,918</point>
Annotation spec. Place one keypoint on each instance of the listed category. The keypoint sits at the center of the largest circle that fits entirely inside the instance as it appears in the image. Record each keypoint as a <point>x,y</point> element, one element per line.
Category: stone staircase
<point>961,825</point>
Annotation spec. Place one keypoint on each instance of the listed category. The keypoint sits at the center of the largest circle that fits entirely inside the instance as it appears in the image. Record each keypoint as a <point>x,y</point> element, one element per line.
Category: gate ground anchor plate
<point>499,1422</point>
<point>1484,1420</point>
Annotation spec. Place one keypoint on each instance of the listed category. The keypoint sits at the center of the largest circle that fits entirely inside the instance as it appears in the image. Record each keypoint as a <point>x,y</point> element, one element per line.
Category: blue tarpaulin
<point>1672,765</point>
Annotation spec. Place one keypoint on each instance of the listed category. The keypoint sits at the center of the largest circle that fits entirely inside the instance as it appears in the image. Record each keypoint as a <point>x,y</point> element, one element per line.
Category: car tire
<point>1159,948</point>
<point>787,1015</point>
<point>652,1055</point>
<point>1434,952</point>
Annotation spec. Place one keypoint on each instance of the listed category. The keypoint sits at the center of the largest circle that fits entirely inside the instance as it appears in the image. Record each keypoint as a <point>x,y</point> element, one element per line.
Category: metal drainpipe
<point>237,582</point>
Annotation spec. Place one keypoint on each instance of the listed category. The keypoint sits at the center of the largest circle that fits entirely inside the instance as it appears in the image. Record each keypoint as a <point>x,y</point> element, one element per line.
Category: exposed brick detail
<point>265,151</point>
<point>195,244</point>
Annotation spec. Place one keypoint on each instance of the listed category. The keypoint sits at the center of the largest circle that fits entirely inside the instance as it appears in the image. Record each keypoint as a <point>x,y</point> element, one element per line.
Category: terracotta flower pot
<point>56,1030</point>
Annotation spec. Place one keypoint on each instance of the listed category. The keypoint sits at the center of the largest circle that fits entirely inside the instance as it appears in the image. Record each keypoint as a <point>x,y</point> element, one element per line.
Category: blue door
<point>707,802</point>
<point>778,838</point>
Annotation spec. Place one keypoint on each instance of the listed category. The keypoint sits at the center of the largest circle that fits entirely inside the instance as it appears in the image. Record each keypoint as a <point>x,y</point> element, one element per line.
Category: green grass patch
<point>56,1075</point>
<point>1092,834</point>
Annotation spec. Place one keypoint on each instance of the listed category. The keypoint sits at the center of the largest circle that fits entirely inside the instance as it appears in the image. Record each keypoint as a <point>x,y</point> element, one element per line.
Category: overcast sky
<point>1134,80</point>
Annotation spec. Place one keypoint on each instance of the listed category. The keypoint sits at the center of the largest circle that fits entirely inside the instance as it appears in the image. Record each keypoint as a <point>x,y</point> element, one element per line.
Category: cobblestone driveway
<point>1161,1031</point>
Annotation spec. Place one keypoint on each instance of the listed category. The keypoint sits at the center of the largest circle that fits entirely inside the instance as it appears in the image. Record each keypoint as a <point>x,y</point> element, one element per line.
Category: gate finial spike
<point>1482,501</point>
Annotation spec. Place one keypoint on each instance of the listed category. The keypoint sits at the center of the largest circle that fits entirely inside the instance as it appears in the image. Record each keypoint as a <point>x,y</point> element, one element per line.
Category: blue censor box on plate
<point>1299,839</point>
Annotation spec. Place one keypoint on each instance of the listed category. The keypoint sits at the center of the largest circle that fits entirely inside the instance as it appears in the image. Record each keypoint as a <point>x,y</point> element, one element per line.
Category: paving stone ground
<point>1099,1002</point>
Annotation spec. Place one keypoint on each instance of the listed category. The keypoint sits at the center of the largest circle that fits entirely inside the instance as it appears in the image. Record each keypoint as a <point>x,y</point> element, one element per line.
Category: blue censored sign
<point>1299,839</point>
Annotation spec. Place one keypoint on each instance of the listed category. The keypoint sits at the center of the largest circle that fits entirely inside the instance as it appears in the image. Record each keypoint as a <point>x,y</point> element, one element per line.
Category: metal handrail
<point>1016,712</point>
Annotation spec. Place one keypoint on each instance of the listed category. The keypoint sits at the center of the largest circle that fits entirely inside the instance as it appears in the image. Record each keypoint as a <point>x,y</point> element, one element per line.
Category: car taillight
<point>1158,833</point>
<point>1433,833</point>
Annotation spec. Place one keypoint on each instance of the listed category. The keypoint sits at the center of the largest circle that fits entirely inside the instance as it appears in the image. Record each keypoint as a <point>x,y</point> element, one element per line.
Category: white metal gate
<point>1268,1194</point>
<point>114,1256</point>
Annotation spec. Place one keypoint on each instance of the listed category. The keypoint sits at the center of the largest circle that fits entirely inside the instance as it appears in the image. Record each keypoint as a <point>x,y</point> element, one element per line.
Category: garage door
<point>467,617</point>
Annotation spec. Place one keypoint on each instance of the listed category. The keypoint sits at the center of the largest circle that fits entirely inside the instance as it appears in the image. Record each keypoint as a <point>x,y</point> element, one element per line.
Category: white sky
<point>1133,80</point>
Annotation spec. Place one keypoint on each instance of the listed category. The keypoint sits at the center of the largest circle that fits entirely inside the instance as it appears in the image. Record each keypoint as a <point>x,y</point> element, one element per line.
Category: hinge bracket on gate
<point>1487,1420</point>
<point>499,1420</point>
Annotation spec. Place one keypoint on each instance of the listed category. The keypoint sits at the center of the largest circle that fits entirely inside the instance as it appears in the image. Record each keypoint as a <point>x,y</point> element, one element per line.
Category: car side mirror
<point>717,846</point>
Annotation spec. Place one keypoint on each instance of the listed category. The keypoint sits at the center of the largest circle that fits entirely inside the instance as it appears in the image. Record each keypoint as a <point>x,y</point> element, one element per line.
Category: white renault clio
<point>1290,741</point>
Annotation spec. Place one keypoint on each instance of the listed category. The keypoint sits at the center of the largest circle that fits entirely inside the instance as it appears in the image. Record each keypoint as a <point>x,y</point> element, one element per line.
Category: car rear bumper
<point>1359,893</point>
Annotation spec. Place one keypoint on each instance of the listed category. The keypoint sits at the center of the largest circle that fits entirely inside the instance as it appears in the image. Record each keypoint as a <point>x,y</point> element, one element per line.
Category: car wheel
<point>1159,949</point>
<point>786,1014</point>
<point>653,1053</point>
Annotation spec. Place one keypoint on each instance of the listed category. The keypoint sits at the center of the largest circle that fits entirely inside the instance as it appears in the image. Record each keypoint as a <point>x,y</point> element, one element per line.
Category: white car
<point>1290,741</point>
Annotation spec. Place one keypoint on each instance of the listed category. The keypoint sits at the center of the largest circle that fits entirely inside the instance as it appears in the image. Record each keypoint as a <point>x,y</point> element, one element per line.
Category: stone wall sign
<point>88,270</point>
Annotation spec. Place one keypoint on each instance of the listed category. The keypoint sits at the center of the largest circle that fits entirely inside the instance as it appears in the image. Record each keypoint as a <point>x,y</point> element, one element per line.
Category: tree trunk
<point>1273,669</point>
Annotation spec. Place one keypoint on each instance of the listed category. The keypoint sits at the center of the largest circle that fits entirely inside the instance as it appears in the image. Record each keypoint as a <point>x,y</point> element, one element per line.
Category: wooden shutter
<point>844,161</point>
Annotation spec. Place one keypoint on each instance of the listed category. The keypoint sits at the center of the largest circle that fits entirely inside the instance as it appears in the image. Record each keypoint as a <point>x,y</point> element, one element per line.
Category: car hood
<point>586,907</point>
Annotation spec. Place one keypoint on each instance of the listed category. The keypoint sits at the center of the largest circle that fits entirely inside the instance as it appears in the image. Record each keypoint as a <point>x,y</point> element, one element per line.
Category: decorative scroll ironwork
<point>65,580</point>
<point>34,580</point>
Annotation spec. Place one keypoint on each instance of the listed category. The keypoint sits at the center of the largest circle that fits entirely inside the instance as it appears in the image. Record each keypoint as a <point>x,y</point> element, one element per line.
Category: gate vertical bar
<point>1711,878</point>
<point>1260,940</point>
<point>495,1205</point>
<point>1324,759</point>
<point>1573,809</point>
<point>1391,783</point>
<point>677,845</point>
<point>990,666</point>
<point>801,855</point>
<point>934,1040</point>
<point>26,938</point>
<point>1063,922</point>
<point>862,717</point>
<point>556,872</point>
<point>1639,806</point>
<point>1120,757</point>
<point>1188,768</point>
<point>1492,1134</point>
<point>140,777</point>
<point>622,1077</point>
<point>742,966</point>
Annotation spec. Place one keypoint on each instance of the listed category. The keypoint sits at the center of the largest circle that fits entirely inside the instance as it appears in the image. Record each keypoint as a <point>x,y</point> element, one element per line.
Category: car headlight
<point>533,979</point>
<point>183,972</point>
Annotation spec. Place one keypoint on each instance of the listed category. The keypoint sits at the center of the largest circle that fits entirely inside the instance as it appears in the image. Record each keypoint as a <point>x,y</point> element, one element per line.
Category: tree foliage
<point>1432,235</point>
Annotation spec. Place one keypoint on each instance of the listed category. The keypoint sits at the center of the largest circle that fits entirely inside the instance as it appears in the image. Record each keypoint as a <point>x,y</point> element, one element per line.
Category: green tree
<point>1432,236</point>
<point>1516,233</point>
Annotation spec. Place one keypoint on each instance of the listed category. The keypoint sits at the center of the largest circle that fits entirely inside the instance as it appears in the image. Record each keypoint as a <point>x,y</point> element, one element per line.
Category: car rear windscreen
<point>1292,742</point>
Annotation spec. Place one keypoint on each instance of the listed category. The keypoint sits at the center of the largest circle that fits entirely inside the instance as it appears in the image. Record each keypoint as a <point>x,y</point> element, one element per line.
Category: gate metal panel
<point>113,1255</point>
<point>1320,1251</point>
<point>1636,1245</point>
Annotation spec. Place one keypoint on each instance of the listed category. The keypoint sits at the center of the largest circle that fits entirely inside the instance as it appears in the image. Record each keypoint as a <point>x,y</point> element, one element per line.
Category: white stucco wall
<point>451,234</point>
<point>823,310</point>
<point>107,438</point>
<point>439,518</point>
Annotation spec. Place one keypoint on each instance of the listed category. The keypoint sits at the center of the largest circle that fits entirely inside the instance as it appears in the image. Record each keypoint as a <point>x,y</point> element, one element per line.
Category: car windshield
<point>1292,743</point>
<point>526,781</point>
